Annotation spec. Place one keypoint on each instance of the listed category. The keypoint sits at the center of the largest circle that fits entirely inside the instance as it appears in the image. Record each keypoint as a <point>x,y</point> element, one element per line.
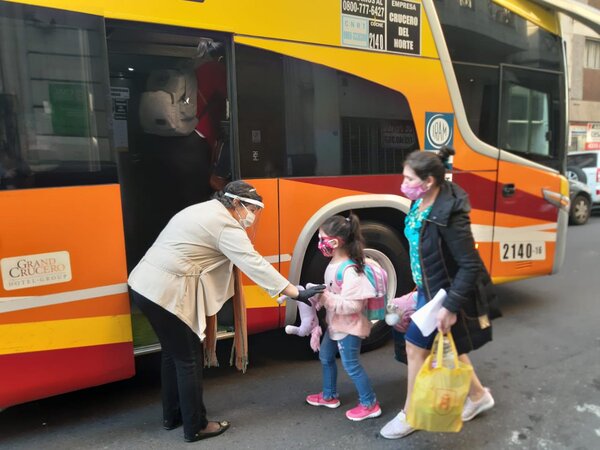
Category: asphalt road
<point>543,368</point>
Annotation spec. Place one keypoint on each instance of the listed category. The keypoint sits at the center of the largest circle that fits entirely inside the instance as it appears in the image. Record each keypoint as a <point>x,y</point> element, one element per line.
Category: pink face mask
<point>413,192</point>
<point>326,247</point>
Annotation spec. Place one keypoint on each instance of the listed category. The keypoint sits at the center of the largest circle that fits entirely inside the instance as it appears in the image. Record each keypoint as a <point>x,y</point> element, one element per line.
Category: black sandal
<point>223,427</point>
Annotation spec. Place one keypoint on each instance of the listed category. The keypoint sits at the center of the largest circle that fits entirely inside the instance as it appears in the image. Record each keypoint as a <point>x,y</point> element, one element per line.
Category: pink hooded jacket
<point>346,304</point>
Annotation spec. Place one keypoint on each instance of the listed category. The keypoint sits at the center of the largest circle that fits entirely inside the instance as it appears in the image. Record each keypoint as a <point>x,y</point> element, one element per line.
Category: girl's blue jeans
<point>349,349</point>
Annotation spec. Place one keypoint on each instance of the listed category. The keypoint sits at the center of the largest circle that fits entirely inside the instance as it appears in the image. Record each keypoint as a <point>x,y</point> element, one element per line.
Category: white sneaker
<point>397,428</point>
<point>473,409</point>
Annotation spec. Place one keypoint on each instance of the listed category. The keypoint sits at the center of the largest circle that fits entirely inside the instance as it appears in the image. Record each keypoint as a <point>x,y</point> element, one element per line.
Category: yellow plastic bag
<point>440,389</point>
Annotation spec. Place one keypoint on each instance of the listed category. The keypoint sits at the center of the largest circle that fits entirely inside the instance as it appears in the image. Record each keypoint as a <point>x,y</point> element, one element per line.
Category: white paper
<point>426,317</point>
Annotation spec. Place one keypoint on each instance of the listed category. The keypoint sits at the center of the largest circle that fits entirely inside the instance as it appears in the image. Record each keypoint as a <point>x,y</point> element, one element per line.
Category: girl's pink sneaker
<point>318,400</point>
<point>362,412</point>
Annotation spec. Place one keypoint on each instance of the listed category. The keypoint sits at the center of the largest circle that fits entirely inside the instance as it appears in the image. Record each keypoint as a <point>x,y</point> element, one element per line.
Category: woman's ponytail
<point>444,154</point>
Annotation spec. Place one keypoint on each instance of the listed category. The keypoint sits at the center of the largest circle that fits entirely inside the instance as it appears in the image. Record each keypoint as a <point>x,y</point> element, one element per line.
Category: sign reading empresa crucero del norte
<point>383,25</point>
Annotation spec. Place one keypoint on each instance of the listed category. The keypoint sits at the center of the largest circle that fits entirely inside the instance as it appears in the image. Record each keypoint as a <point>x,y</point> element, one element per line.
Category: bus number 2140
<point>522,251</point>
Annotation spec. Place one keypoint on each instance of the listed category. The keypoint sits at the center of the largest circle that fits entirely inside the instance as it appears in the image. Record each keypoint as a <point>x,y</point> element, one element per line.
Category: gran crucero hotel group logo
<point>21,272</point>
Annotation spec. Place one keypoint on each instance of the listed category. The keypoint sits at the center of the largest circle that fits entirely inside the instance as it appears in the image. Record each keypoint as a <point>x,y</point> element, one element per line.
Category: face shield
<point>256,213</point>
<point>248,211</point>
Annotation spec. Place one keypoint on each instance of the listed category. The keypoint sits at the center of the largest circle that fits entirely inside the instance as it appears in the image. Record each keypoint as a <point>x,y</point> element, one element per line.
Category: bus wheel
<point>385,246</point>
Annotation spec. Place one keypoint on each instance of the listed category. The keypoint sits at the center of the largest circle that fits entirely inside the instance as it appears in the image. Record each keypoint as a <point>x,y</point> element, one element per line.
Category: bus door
<point>64,308</point>
<point>165,166</point>
<point>531,125</point>
<point>259,108</point>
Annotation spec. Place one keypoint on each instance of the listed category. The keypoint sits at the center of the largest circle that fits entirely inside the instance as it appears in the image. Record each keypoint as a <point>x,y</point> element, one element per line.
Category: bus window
<point>530,109</point>
<point>526,120</point>
<point>489,34</point>
<point>53,99</point>
<point>261,123</point>
<point>377,127</point>
<point>298,119</point>
<point>479,86</point>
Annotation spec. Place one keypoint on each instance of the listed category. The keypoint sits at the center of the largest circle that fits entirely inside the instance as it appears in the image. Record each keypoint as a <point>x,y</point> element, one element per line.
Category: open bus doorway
<point>164,161</point>
<point>169,95</point>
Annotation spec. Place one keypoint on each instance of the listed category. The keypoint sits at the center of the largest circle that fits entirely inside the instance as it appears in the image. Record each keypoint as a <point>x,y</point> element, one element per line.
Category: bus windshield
<point>510,72</point>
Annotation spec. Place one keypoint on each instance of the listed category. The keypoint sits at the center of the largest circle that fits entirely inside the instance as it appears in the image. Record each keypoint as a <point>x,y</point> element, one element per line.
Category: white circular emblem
<point>438,131</point>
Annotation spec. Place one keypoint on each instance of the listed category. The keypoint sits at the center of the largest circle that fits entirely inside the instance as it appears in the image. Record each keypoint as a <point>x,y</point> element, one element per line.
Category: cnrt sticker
<point>27,271</point>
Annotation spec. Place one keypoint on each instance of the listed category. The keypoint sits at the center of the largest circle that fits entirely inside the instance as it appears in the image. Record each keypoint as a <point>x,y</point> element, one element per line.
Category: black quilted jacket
<point>450,261</point>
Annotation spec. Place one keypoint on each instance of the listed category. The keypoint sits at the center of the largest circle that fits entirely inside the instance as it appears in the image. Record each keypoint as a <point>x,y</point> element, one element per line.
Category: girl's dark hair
<point>425,163</point>
<point>239,188</point>
<point>348,230</point>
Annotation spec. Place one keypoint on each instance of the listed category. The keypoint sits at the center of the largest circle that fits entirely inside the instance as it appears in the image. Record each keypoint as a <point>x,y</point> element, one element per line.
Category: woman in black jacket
<point>443,256</point>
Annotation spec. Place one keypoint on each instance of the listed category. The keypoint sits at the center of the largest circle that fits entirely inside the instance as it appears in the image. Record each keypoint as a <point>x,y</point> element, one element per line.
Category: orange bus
<point>323,100</point>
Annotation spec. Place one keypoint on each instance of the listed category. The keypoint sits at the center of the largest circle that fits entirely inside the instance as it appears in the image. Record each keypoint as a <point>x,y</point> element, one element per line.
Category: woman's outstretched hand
<point>445,320</point>
<point>306,294</point>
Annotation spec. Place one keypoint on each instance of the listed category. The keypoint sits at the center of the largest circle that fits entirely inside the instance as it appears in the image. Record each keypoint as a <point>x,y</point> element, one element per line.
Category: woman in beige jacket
<point>187,276</point>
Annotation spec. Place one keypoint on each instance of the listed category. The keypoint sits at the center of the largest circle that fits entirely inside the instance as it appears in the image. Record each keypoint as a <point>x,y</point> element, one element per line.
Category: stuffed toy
<point>309,322</point>
<point>399,311</point>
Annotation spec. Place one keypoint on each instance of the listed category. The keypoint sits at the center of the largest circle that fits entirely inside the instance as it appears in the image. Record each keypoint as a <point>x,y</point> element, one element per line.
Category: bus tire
<point>382,239</point>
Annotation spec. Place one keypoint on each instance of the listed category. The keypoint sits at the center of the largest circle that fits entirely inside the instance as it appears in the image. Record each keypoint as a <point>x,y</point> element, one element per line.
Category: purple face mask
<point>413,192</point>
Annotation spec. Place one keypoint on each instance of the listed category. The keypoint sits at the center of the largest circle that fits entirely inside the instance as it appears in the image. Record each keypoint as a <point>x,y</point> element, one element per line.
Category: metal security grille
<point>359,143</point>
<point>375,146</point>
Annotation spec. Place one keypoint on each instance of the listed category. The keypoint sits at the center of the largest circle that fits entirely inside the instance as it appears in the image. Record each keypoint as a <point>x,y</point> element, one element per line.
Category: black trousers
<point>182,362</point>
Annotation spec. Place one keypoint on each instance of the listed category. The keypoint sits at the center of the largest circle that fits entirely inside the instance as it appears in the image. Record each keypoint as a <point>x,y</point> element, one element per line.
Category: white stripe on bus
<point>489,233</point>
<point>273,259</point>
<point>8,304</point>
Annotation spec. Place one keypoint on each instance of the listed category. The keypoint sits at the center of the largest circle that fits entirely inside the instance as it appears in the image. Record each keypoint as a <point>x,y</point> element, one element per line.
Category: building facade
<point>583,60</point>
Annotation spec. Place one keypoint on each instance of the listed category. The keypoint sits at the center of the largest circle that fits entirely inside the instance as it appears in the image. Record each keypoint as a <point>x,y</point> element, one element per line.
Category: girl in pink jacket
<point>341,240</point>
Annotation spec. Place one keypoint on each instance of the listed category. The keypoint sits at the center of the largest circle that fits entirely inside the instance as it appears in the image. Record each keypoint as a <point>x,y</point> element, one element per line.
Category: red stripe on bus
<point>281,314</point>
<point>372,184</point>
<point>482,193</point>
<point>31,376</point>
<point>523,204</point>
<point>481,190</point>
<point>262,319</point>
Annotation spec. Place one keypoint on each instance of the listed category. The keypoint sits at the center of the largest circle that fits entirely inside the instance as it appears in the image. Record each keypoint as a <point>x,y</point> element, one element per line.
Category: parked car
<point>585,167</point>
<point>581,202</point>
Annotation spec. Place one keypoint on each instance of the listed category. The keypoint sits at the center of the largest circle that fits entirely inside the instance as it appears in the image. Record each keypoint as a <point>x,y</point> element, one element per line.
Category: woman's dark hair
<point>239,188</point>
<point>348,230</point>
<point>425,163</point>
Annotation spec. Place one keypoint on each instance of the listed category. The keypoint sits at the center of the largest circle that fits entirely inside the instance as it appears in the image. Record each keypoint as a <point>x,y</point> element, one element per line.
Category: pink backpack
<point>376,306</point>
